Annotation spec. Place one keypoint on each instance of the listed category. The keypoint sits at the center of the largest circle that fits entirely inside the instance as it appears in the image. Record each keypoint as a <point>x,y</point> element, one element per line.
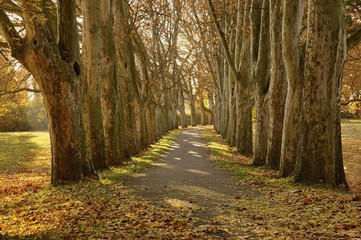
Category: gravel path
<point>186,178</point>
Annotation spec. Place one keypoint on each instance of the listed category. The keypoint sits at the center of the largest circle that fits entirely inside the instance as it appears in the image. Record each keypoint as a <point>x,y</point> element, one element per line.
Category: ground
<point>199,189</point>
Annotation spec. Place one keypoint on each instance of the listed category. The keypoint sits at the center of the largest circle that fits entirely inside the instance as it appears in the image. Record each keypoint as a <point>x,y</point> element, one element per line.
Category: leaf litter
<point>30,209</point>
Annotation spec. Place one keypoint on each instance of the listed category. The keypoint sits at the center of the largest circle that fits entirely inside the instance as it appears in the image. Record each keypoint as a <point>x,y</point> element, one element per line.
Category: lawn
<point>351,143</point>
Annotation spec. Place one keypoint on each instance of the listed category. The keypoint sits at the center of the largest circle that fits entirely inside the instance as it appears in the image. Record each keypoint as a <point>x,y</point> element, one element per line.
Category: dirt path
<point>185,178</point>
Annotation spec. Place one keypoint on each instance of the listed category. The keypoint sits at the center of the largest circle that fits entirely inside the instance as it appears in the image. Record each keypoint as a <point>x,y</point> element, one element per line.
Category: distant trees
<point>21,109</point>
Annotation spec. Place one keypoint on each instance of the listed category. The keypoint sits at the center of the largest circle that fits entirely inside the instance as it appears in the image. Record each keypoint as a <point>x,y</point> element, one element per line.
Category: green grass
<point>144,159</point>
<point>24,152</point>
<point>228,158</point>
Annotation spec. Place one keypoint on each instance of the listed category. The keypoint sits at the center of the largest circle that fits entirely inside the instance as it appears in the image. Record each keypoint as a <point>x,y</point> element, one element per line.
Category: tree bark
<point>292,55</point>
<point>203,110</point>
<point>277,88</point>
<point>182,109</point>
<point>243,85</point>
<point>127,81</point>
<point>110,94</point>
<point>60,81</point>
<point>211,108</point>
<point>320,153</point>
<point>260,58</point>
<point>92,60</point>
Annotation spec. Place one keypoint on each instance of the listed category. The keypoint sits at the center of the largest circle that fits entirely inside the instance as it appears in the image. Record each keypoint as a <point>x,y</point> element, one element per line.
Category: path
<point>186,178</point>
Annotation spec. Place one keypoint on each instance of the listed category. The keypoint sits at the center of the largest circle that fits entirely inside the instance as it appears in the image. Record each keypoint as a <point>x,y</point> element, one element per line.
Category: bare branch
<point>10,6</point>
<point>20,90</point>
<point>354,39</point>
<point>223,39</point>
<point>2,54</point>
<point>350,101</point>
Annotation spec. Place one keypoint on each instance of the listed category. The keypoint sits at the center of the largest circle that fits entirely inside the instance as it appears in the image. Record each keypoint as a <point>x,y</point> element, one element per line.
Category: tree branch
<point>354,39</point>
<point>20,90</point>
<point>229,58</point>
<point>10,6</point>
<point>205,50</point>
<point>350,101</point>
<point>11,36</point>
<point>2,54</point>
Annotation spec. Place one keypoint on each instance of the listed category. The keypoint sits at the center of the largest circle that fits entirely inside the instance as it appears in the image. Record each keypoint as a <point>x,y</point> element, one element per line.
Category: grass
<point>24,152</point>
<point>351,147</point>
<point>143,160</point>
<point>228,158</point>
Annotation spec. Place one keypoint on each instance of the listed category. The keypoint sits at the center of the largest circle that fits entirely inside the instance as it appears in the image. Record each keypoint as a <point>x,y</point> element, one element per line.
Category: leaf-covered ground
<point>31,209</point>
<point>287,210</point>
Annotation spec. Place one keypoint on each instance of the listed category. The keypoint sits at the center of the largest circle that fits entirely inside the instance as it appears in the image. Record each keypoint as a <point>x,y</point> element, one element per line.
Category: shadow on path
<point>186,178</point>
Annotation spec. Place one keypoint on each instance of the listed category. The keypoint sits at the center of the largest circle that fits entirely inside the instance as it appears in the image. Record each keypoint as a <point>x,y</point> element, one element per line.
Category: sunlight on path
<point>186,178</point>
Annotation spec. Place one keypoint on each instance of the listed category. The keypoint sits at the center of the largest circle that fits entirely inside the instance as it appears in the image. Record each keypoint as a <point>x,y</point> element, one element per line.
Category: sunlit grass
<point>144,159</point>
<point>24,152</point>
<point>241,166</point>
<point>227,157</point>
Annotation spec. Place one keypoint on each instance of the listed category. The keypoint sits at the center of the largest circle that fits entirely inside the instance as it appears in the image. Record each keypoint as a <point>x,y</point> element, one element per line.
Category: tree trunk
<point>320,153</point>
<point>260,58</point>
<point>244,139</point>
<point>125,63</point>
<point>60,81</point>
<point>292,22</point>
<point>192,103</point>
<point>232,111</point>
<point>211,108</point>
<point>182,109</point>
<point>92,60</point>
<point>243,85</point>
<point>203,110</point>
<point>61,86</point>
<point>110,96</point>
<point>277,88</point>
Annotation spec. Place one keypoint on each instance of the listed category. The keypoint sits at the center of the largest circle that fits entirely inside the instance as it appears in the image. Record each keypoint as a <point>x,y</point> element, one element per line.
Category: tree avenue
<point>115,75</point>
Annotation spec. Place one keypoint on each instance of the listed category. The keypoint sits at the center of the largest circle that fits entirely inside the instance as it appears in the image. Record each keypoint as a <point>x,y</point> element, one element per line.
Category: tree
<point>55,46</point>
<point>320,151</point>
<point>260,51</point>
<point>277,89</point>
<point>237,80</point>
<point>92,61</point>
<point>293,58</point>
